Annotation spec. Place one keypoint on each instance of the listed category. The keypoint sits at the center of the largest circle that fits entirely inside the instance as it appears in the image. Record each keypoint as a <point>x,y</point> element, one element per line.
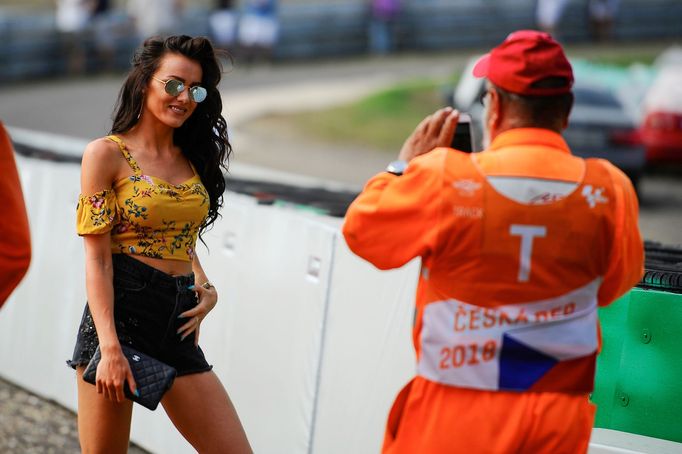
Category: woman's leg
<point>103,425</point>
<point>201,410</point>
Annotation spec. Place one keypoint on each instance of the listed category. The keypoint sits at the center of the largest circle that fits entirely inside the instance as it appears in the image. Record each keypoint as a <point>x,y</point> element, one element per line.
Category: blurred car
<point>662,124</point>
<point>598,126</point>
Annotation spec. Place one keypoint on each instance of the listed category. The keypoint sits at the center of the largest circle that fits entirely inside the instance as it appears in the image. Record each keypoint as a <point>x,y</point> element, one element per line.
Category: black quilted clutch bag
<point>153,378</point>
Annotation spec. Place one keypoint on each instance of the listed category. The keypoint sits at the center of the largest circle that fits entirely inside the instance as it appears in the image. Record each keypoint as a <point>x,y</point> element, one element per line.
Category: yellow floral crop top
<point>146,215</point>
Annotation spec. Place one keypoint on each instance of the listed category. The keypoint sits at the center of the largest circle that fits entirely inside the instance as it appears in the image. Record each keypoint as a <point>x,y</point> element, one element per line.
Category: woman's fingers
<point>207,299</point>
<point>190,324</point>
<point>193,317</point>
<point>186,329</point>
<point>131,382</point>
<point>109,391</point>
<point>113,390</point>
<point>116,390</point>
<point>190,313</point>
<point>112,373</point>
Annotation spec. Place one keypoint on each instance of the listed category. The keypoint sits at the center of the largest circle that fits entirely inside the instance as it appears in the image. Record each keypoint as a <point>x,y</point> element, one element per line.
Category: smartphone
<point>464,136</point>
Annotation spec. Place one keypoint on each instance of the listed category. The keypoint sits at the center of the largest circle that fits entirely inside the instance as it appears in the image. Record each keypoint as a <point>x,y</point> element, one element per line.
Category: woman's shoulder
<point>103,156</point>
<point>102,148</point>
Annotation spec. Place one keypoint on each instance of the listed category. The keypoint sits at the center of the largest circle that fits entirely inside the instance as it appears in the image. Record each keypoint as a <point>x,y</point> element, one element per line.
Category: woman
<point>148,191</point>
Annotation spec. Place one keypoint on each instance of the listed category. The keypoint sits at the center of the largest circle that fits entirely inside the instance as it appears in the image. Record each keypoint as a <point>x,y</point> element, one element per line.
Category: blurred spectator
<point>258,29</point>
<point>72,18</point>
<point>601,14</point>
<point>101,6</point>
<point>223,22</point>
<point>154,17</point>
<point>104,34</point>
<point>15,239</point>
<point>548,14</point>
<point>382,25</point>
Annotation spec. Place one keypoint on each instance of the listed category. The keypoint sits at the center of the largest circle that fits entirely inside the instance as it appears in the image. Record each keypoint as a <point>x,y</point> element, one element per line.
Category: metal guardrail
<point>663,268</point>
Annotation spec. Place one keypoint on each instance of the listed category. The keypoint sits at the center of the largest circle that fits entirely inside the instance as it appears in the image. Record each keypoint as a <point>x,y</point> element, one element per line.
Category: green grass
<point>382,120</point>
<point>625,60</point>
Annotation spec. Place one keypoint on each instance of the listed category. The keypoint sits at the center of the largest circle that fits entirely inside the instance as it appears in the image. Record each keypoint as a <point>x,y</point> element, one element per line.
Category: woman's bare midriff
<point>172,267</point>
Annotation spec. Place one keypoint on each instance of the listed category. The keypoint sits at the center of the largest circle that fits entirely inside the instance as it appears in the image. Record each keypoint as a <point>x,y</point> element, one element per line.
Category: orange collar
<point>530,136</point>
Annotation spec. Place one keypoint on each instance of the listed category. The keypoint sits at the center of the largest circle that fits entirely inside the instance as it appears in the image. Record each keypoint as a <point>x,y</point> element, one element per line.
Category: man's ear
<point>495,111</point>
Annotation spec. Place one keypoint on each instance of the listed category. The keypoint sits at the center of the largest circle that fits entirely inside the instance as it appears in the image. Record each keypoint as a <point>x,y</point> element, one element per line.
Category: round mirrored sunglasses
<point>174,87</point>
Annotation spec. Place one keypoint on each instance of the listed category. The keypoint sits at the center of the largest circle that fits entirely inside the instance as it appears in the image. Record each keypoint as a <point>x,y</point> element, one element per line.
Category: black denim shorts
<point>147,303</point>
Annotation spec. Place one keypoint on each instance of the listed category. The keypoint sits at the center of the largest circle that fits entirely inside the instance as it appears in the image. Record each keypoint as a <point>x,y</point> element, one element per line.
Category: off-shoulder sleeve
<point>96,213</point>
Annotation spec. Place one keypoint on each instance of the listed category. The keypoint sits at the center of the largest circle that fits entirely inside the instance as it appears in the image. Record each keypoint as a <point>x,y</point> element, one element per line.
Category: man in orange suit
<point>15,240</point>
<point>519,245</point>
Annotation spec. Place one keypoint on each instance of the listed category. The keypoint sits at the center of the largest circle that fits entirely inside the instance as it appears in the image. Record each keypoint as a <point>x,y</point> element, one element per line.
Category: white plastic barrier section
<point>311,342</point>
<point>368,355</point>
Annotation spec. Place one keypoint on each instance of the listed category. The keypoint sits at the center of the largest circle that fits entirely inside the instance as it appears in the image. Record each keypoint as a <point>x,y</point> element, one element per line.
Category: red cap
<point>523,59</point>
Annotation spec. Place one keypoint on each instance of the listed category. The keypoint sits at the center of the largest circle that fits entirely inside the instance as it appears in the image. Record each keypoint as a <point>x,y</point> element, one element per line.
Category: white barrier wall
<point>311,342</point>
<point>368,355</point>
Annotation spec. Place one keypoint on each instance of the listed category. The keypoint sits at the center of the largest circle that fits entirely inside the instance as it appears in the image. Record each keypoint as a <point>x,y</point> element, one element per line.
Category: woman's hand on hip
<point>208,298</point>
<point>112,373</point>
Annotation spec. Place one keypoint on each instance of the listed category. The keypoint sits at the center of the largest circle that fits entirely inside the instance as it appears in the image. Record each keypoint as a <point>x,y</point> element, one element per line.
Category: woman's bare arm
<point>100,164</point>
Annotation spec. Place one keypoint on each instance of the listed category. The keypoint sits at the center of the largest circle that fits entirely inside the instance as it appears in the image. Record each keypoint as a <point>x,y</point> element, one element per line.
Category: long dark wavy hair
<point>203,136</point>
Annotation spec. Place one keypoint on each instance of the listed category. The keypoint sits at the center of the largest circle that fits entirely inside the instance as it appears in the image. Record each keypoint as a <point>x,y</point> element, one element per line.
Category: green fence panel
<point>612,320</point>
<point>638,387</point>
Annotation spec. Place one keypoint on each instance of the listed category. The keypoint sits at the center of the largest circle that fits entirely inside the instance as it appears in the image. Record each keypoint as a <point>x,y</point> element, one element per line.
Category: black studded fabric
<point>153,377</point>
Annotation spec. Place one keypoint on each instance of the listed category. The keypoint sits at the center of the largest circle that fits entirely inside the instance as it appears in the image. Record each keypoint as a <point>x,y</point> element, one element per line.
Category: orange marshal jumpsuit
<point>15,240</point>
<point>519,245</point>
